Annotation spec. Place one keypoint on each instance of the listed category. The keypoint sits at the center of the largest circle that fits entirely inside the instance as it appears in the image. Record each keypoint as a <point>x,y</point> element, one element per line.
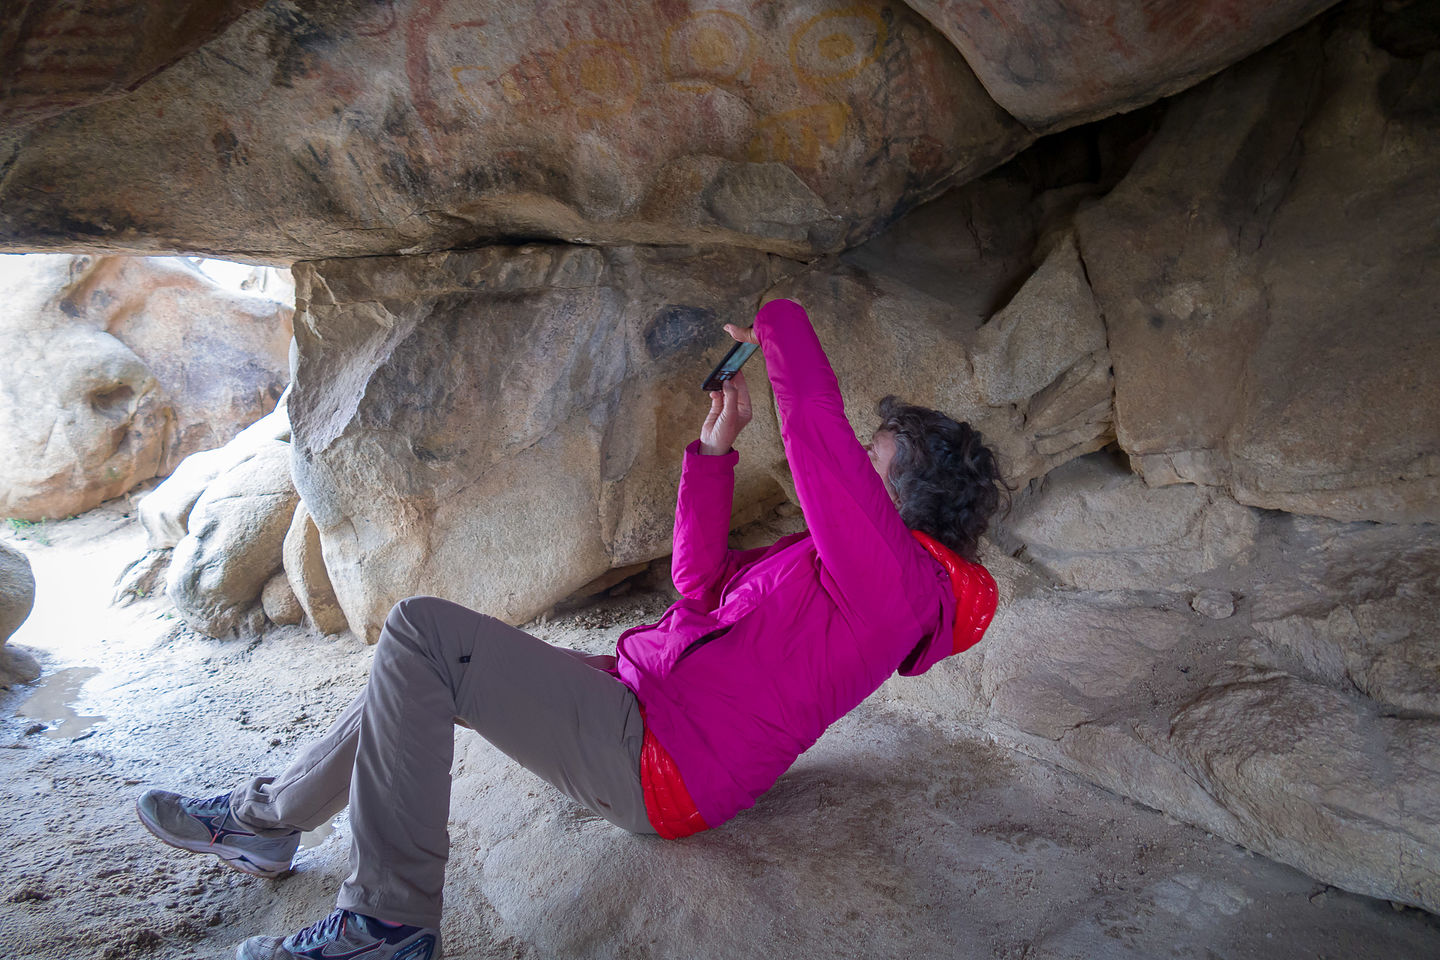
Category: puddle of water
<point>54,700</point>
<point>313,838</point>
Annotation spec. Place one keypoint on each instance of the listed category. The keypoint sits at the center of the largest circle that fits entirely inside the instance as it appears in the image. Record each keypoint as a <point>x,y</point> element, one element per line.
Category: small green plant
<point>29,530</point>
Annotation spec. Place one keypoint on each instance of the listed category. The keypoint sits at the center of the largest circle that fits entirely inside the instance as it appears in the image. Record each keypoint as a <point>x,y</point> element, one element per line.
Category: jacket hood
<point>976,598</point>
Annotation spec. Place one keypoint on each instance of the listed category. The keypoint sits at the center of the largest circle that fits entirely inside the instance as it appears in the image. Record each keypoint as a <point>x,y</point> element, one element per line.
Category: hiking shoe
<point>352,936</point>
<point>208,826</point>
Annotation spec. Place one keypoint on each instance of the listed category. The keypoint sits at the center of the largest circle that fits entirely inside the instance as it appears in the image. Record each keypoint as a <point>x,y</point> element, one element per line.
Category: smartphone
<point>728,367</point>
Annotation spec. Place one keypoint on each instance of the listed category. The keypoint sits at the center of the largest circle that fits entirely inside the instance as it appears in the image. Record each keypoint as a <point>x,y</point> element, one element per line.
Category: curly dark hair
<point>948,482</point>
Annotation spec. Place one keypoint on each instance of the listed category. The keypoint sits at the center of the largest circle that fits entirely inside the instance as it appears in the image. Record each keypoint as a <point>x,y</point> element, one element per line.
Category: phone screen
<point>729,366</point>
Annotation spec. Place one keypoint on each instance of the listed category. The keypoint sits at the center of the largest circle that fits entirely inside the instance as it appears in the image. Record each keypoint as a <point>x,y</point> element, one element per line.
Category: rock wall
<point>1267,676</point>
<point>1271,311</point>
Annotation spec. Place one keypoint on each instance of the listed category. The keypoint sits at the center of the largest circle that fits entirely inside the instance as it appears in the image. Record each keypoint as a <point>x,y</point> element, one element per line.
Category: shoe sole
<point>237,860</point>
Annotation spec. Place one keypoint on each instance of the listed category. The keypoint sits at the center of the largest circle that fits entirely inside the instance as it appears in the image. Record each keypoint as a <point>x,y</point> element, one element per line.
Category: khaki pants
<point>389,755</point>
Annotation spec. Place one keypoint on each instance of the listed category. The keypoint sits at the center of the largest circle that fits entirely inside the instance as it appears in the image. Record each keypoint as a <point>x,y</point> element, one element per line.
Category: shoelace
<point>215,801</point>
<point>321,931</point>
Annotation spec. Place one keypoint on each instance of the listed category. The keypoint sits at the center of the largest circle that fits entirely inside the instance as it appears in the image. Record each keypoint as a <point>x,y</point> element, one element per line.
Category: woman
<point>695,716</point>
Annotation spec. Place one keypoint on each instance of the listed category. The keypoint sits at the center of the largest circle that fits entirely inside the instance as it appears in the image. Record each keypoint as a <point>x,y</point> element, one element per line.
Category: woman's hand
<point>742,334</point>
<point>729,412</point>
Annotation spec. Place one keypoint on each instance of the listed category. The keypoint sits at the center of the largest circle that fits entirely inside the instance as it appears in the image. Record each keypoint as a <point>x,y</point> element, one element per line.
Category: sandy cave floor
<point>130,699</point>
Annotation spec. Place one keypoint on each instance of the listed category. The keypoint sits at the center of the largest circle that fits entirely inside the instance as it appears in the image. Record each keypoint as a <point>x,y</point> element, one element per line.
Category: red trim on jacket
<point>667,803</point>
<point>975,592</point>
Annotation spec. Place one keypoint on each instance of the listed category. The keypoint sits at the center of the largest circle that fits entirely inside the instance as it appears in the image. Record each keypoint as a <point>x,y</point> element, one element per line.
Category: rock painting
<point>837,45</point>
<point>712,47</point>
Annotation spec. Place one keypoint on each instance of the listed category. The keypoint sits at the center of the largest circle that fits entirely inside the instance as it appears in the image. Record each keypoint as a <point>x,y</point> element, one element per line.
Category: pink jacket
<point>766,648</point>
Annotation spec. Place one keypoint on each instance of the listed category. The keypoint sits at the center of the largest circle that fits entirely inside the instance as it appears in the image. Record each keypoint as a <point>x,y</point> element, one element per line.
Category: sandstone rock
<point>1045,330</point>
<point>888,331</point>
<point>1389,648</point>
<point>165,511</point>
<point>501,426</point>
<point>1332,655</point>
<point>81,417</point>
<point>56,56</point>
<point>1265,336</point>
<point>1045,353</point>
<point>220,357</point>
<point>1298,765</point>
<point>112,370</point>
<point>1350,606</point>
<point>1092,524</point>
<point>237,530</point>
<point>1069,661</point>
<point>1052,65</point>
<point>971,248</point>
<point>279,601</point>
<point>17,590</point>
<point>799,129</point>
<point>309,581</point>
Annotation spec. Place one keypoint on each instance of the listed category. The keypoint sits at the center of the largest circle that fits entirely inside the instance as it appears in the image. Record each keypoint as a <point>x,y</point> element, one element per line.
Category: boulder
<point>112,370</point>
<point>220,357</point>
<point>236,533</point>
<point>501,426</point>
<point>1267,275</point>
<point>309,580</point>
<point>18,666</point>
<point>393,128</point>
<point>81,416</point>
<point>165,511</point>
<point>1052,65</point>
<point>279,601</point>
<point>17,590</point>
<point>17,599</point>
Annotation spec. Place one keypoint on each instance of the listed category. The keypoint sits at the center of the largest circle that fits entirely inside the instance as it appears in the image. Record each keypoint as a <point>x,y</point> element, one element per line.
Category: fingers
<point>737,399</point>
<point>742,394</point>
<point>742,334</point>
<point>717,406</point>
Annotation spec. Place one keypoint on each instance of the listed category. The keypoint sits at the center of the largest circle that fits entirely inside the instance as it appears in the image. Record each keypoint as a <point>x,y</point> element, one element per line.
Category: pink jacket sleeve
<point>702,561</point>
<point>864,546</point>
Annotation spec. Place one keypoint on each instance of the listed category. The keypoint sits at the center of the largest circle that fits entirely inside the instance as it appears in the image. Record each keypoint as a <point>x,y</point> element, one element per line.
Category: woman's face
<point>882,450</point>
